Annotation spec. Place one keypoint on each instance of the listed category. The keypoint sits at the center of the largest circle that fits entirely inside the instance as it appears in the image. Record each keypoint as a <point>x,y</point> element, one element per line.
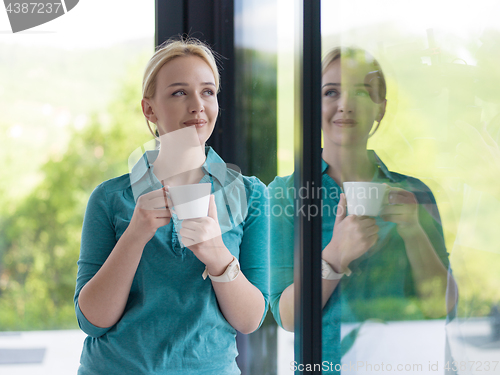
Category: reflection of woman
<point>140,294</point>
<point>398,261</point>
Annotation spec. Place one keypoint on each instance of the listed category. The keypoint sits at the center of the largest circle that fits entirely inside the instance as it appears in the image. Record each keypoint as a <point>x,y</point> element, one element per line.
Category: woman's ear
<point>147,109</point>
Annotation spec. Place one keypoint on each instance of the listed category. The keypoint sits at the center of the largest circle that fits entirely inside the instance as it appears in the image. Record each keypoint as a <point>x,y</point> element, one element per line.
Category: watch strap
<point>328,273</point>
<point>231,272</point>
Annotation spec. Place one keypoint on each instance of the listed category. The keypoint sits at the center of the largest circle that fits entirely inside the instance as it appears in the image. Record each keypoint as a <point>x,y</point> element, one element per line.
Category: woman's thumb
<point>212,208</point>
<point>341,209</point>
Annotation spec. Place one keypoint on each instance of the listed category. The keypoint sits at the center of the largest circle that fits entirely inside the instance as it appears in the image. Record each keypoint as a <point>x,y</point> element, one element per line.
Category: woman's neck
<point>179,163</point>
<point>348,163</point>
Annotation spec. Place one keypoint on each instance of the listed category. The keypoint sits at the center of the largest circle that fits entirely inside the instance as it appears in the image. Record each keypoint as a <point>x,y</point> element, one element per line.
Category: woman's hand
<point>352,237</point>
<point>151,212</point>
<point>203,237</point>
<point>401,208</point>
<point>103,299</point>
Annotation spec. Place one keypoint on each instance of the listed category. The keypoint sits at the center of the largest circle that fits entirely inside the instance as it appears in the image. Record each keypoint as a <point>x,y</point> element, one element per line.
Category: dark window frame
<point>307,151</point>
<point>213,23</point>
<point>189,17</point>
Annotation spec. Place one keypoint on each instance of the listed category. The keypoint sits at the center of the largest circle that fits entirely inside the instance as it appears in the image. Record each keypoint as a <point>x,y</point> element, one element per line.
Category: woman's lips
<point>196,122</point>
<point>345,123</point>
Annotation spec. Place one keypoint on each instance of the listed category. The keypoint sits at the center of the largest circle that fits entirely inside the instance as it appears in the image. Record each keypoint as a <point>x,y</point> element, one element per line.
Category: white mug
<point>190,201</point>
<point>364,198</point>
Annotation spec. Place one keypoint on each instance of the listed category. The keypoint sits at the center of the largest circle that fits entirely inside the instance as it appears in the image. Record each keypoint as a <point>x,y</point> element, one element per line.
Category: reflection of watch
<point>231,272</point>
<point>328,273</point>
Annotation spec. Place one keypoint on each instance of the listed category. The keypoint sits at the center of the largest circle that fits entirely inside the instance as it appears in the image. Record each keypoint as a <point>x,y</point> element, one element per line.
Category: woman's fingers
<point>400,209</point>
<point>366,222</point>
<point>157,203</point>
<point>198,230</point>
<point>194,224</point>
<point>156,199</point>
<point>401,196</point>
<point>341,209</point>
<point>372,239</point>
<point>186,234</point>
<point>162,213</point>
<point>371,230</point>
<point>153,194</point>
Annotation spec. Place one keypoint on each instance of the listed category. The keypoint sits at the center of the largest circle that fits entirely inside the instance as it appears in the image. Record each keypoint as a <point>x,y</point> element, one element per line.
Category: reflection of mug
<point>364,198</point>
<point>190,201</point>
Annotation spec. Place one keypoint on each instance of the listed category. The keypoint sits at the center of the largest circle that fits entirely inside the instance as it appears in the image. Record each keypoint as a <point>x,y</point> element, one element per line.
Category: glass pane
<point>256,136</point>
<point>282,221</point>
<point>413,94</point>
<point>70,96</point>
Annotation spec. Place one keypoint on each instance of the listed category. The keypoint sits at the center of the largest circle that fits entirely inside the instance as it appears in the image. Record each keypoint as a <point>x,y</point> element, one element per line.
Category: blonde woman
<point>140,293</point>
<point>390,267</point>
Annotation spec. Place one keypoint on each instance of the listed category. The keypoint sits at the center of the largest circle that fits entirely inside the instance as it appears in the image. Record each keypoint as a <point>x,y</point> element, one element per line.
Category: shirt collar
<point>374,158</point>
<point>143,165</point>
<point>382,168</point>
<point>143,179</point>
<point>214,165</point>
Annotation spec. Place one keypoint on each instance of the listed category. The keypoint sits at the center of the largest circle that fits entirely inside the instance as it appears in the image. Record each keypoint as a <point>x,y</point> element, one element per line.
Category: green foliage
<point>256,113</point>
<point>387,309</point>
<point>40,238</point>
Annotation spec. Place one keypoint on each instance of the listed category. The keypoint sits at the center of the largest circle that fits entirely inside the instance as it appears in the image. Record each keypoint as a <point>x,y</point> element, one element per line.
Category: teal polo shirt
<point>172,323</point>
<point>381,276</point>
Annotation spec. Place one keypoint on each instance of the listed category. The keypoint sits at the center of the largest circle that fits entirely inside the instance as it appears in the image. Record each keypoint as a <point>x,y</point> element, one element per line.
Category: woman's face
<point>185,96</point>
<point>348,92</point>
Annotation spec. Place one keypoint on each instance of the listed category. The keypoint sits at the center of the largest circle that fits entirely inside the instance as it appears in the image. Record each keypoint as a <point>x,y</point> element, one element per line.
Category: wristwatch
<point>232,271</point>
<point>328,273</point>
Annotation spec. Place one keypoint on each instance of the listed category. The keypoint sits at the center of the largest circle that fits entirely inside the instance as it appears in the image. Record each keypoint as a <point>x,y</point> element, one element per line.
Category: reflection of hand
<point>352,237</point>
<point>401,208</point>
<point>478,158</point>
<point>151,212</point>
<point>203,237</point>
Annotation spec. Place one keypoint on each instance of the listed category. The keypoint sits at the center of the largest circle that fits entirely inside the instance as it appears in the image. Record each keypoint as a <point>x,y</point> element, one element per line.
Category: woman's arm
<point>287,302</point>
<point>352,237</point>
<point>430,275</point>
<point>242,303</point>
<point>103,298</point>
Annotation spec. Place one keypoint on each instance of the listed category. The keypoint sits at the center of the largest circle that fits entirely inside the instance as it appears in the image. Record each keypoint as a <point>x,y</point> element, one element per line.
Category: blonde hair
<point>170,50</point>
<point>361,56</point>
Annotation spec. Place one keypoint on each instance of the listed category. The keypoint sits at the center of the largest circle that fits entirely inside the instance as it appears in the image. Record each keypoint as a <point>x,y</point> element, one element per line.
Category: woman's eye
<point>208,92</point>
<point>331,93</point>
<point>179,93</point>
<point>362,93</point>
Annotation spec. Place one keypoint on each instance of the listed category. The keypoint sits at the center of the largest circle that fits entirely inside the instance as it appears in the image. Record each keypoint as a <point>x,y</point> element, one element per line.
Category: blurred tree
<point>40,238</point>
<point>256,113</point>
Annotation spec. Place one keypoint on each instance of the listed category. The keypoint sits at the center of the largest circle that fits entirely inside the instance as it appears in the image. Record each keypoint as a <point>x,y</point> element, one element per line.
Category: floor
<point>395,343</point>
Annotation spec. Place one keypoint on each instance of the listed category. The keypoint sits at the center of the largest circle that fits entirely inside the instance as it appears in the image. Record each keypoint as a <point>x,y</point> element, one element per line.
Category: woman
<point>140,294</point>
<point>397,260</point>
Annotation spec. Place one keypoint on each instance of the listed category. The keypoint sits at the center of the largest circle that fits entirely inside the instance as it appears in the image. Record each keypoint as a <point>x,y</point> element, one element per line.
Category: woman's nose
<point>196,105</point>
<point>345,103</point>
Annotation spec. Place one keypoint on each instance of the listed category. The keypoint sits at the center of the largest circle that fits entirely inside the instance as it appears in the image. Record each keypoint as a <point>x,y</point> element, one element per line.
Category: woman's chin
<point>203,134</point>
<point>345,140</point>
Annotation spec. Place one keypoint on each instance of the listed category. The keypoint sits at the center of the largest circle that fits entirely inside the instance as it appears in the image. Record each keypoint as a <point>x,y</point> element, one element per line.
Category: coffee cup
<point>190,201</point>
<point>364,198</point>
